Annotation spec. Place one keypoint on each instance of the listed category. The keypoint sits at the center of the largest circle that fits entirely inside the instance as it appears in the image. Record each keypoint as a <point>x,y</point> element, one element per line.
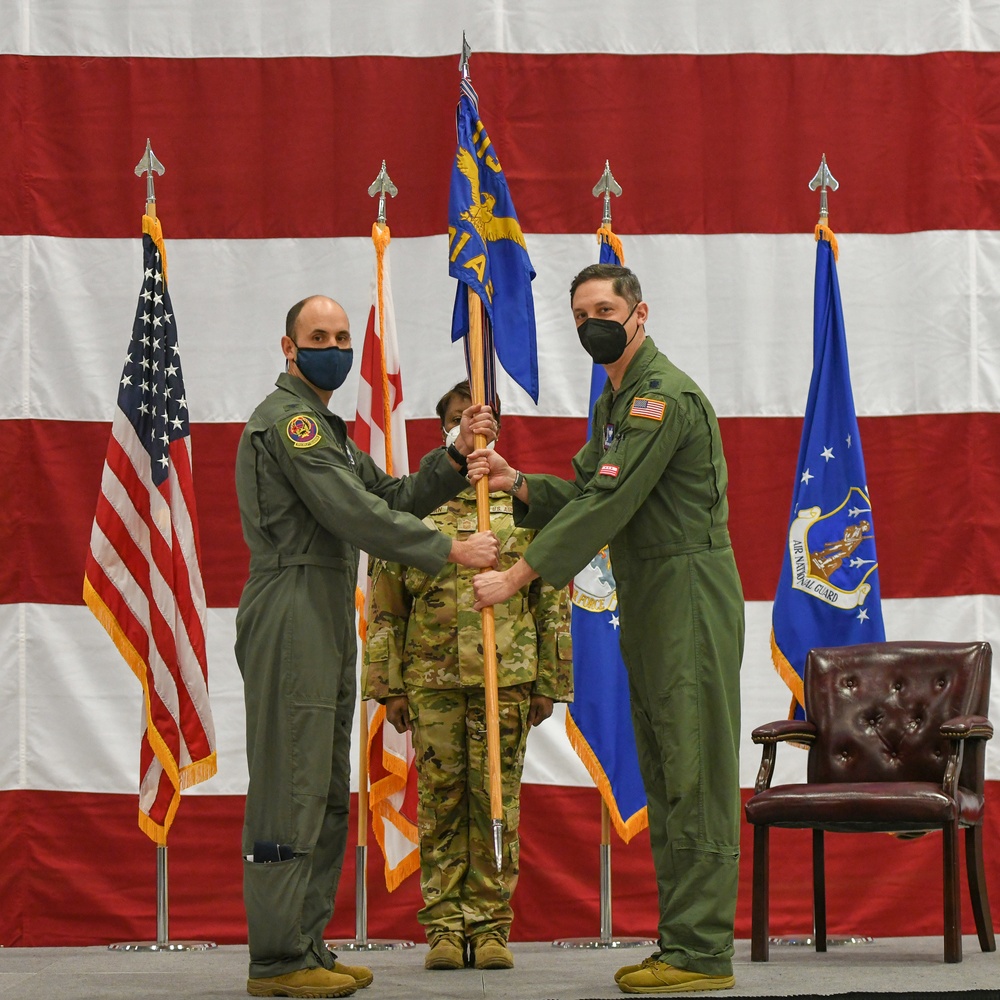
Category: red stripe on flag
<point>913,463</point>
<point>881,116</point>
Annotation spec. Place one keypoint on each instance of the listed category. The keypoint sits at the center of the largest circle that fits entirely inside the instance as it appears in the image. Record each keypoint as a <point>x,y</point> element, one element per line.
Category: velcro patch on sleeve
<point>609,470</point>
<point>303,431</point>
<point>651,409</point>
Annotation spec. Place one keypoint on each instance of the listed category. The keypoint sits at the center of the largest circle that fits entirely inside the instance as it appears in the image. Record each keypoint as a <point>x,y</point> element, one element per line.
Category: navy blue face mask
<point>325,367</point>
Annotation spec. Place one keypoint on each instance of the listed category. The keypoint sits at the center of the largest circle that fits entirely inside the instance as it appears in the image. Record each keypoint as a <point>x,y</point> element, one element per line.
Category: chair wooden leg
<point>952,910</point>
<point>977,887</point>
<point>819,891</point>
<point>761,889</point>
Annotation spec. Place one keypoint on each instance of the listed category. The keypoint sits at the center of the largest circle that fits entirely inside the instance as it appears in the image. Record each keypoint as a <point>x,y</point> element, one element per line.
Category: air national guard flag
<point>828,594</point>
<point>487,252</point>
<point>599,722</point>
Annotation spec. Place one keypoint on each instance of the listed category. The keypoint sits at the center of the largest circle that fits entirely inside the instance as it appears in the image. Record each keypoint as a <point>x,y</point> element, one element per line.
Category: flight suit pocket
<point>272,893</point>
<point>311,735</point>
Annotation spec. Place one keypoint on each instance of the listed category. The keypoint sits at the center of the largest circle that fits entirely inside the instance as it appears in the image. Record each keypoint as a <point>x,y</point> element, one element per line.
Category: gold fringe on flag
<point>824,232</point>
<point>153,228</point>
<point>604,234</point>
<point>627,829</point>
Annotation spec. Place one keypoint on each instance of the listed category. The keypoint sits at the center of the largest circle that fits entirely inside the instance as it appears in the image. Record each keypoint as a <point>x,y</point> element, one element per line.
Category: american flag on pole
<point>143,574</point>
<point>380,430</point>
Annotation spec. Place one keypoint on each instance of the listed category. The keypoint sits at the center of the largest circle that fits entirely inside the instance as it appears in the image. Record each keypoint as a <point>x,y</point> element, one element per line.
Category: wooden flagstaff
<point>477,382</point>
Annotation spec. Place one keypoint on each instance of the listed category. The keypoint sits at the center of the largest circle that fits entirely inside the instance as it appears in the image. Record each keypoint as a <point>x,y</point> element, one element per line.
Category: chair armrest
<point>785,730</point>
<point>968,727</point>
<point>769,736</point>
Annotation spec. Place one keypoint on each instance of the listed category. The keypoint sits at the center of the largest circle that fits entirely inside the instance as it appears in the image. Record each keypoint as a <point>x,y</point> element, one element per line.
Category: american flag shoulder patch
<point>652,409</point>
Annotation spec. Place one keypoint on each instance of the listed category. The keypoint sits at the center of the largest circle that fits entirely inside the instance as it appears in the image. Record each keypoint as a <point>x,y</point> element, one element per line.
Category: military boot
<point>661,977</point>
<point>490,951</point>
<point>317,982</point>
<point>447,952</point>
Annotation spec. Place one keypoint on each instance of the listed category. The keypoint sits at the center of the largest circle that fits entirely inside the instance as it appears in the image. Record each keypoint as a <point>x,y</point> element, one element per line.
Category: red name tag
<point>609,470</point>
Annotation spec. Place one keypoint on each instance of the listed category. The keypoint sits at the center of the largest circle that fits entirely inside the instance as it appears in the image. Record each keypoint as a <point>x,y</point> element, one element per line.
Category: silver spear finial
<point>148,165</point>
<point>463,62</point>
<point>823,180</point>
<point>382,186</point>
<point>607,186</point>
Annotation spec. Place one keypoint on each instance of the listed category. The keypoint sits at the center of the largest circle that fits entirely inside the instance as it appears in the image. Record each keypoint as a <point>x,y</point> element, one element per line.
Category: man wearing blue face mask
<point>309,500</point>
<point>651,482</point>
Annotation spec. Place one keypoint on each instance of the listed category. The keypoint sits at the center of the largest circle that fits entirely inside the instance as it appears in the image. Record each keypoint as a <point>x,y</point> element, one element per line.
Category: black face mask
<point>605,340</point>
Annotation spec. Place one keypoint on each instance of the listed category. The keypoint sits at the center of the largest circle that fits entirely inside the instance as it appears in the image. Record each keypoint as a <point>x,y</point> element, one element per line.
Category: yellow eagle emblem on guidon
<point>480,211</point>
<point>813,564</point>
<point>303,431</point>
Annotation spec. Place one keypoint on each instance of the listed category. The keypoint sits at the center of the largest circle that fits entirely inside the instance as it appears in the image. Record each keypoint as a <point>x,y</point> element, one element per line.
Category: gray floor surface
<point>889,965</point>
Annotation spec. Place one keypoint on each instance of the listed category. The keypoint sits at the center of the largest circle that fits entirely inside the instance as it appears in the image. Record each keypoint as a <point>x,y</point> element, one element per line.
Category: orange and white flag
<point>380,430</point>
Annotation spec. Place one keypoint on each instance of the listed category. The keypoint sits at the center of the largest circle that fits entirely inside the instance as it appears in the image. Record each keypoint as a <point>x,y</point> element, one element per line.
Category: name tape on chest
<point>651,409</point>
<point>303,431</point>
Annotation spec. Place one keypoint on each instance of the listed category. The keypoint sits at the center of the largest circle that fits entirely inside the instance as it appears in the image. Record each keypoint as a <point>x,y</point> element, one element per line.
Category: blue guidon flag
<point>487,252</point>
<point>828,593</point>
<point>599,720</point>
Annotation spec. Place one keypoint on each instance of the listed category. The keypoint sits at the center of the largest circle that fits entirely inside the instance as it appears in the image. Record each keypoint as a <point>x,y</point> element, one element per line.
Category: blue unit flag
<point>599,720</point>
<point>486,249</point>
<point>828,593</point>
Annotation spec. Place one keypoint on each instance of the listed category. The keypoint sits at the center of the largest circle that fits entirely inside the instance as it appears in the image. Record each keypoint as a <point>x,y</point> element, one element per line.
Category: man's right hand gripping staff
<point>479,550</point>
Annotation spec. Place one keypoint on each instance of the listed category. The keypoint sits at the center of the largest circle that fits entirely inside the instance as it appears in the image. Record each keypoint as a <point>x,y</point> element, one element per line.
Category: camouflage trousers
<point>462,890</point>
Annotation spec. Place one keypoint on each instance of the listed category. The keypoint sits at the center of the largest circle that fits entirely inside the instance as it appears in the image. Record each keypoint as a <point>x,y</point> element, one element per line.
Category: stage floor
<point>885,966</point>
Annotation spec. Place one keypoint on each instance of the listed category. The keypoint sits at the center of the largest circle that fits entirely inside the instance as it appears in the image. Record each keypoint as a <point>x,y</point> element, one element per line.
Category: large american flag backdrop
<point>272,119</point>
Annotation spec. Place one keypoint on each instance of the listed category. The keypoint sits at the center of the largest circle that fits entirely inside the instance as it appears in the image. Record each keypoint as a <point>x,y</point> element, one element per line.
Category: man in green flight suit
<point>424,662</point>
<point>651,481</point>
<point>309,499</point>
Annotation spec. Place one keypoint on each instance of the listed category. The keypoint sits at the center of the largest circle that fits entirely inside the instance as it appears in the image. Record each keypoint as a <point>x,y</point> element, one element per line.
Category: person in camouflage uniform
<point>424,661</point>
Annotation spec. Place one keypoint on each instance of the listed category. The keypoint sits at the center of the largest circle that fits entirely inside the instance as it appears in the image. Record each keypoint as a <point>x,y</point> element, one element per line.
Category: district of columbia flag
<point>599,720</point>
<point>380,430</point>
<point>143,575</point>
<point>828,592</point>
<point>487,253</point>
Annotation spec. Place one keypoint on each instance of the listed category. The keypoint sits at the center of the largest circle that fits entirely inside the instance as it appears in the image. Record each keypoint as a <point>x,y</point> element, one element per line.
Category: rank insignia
<point>609,470</point>
<point>303,431</point>
<point>652,409</point>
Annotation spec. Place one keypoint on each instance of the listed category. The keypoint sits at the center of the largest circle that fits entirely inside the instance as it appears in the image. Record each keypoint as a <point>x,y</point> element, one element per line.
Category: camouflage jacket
<point>423,631</point>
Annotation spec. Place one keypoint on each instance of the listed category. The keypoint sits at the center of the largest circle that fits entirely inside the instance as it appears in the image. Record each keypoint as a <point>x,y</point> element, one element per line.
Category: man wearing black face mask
<point>309,499</point>
<point>651,482</point>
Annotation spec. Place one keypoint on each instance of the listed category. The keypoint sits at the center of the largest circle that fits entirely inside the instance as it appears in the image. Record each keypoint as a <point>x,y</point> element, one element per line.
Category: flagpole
<point>605,188</point>
<point>148,165</point>
<point>381,186</point>
<point>478,386</point>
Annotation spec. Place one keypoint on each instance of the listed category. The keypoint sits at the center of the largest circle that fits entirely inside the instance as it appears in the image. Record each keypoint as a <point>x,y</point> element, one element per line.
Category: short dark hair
<point>624,282</point>
<point>292,318</point>
<point>464,391</point>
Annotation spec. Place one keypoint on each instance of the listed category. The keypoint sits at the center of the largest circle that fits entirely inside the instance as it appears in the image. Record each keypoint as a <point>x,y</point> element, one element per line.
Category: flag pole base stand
<point>613,942</point>
<point>371,944</point>
<point>162,946</point>
<point>808,941</point>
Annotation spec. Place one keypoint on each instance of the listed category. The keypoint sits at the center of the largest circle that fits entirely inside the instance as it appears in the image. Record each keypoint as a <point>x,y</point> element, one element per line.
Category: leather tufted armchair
<point>897,736</point>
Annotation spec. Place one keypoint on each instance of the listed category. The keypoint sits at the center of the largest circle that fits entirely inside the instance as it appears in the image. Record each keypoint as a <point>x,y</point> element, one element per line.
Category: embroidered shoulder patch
<point>652,409</point>
<point>303,431</point>
<point>609,470</point>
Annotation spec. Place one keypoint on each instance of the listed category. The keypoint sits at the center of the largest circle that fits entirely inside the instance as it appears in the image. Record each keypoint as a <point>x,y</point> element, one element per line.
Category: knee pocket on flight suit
<point>311,730</point>
<point>692,853</point>
<point>273,893</point>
